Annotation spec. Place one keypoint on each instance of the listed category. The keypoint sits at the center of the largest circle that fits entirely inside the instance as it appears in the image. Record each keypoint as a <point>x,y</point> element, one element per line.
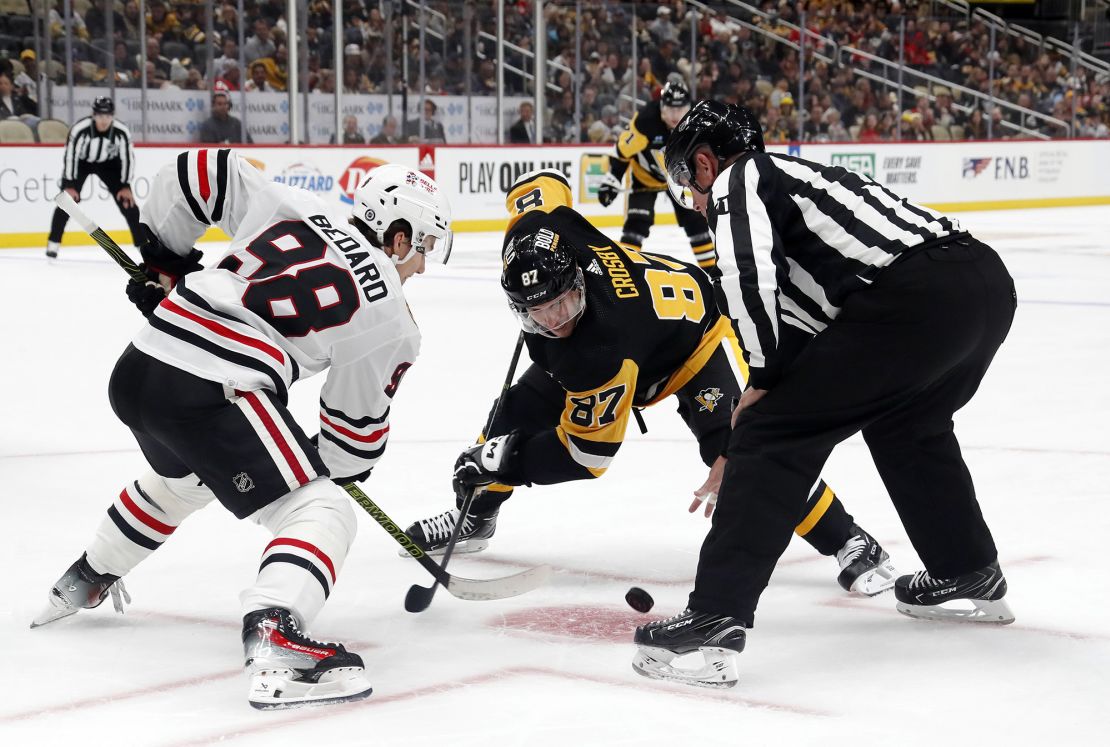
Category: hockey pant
<point>536,401</point>
<point>640,217</point>
<point>108,172</point>
<point>205,446</point>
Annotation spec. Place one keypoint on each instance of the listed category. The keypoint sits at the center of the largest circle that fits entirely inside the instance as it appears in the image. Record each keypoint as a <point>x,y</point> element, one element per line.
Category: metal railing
<point>937,81</point>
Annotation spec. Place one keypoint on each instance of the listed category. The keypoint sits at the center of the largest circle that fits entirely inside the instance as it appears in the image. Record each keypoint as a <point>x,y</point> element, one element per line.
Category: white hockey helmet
<point>393,192</point>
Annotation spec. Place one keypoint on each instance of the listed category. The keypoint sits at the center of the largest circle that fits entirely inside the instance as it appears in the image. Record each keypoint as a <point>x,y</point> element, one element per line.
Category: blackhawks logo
<point>708,398</point>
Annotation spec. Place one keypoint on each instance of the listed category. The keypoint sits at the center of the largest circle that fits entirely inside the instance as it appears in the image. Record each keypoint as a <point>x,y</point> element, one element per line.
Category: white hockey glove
<point>486,463</point>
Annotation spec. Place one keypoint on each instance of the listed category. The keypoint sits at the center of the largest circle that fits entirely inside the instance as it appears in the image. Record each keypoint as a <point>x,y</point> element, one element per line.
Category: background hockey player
<point>204,389</point>
<point>640,148</point>
<point>858,311</point>
<point>98,146</point>
<point>610,329</point>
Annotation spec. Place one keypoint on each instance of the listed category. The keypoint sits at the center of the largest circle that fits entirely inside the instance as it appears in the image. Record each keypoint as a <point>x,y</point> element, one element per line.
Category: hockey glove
<point>166,266</point>
<point>146,296</point>
<point>487,463</point>
<point>608,190</point>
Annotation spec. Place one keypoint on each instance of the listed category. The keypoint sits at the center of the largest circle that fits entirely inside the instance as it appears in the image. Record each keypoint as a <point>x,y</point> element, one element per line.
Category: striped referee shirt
<point>795,239</point>
<point>86,144</point>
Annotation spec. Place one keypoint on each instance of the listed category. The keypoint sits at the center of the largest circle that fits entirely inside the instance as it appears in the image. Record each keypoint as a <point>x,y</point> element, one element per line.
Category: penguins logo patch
<point>708,398</point>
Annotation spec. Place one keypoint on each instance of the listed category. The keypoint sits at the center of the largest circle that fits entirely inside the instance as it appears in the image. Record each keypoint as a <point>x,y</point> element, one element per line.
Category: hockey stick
<point>69,205</point>
<point>419,597</point>
<point>463,588</point>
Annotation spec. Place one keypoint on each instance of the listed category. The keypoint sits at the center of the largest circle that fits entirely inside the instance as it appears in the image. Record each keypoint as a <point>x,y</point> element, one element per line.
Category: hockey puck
<point>639,600</point>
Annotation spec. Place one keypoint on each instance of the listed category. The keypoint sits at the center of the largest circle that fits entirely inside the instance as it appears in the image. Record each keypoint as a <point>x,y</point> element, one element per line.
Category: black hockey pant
<point>901,358</point>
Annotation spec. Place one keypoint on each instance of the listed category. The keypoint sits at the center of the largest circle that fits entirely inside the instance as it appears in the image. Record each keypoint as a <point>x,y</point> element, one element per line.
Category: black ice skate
<point>287,669</point>
<point>717,637</point>
<point>972,597</point>
<point>432,534</point>
<point>865,568</point>
<point>80,587</point>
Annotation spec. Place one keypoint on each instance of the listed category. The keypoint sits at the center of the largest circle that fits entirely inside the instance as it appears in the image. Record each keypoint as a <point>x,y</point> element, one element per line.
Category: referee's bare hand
<point>747,399</point>
<point>709,489</point>
<point>126,199</point>
<point>73,193</point>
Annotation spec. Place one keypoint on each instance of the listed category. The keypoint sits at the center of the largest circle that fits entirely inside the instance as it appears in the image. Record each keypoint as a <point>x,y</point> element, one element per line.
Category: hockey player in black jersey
<point>640,149</point>
<point>610,330</point>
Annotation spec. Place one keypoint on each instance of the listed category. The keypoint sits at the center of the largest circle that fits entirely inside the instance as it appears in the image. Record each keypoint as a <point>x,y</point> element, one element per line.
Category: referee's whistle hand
<point>126,199</point>
<point>73,193</point>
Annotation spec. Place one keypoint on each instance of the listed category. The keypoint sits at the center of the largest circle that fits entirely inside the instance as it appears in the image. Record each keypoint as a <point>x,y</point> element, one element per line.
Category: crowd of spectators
<point>589,98</point>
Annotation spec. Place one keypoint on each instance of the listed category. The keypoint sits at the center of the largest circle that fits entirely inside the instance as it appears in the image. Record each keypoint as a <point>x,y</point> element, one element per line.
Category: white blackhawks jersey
<point>298,291</point>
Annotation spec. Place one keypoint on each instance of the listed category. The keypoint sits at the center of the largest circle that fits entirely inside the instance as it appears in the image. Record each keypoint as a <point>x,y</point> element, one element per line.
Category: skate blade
<point>275,689</point>
<point>718,669</point>
<point>462,547</point>
<point>57,608</point>
<point>875,581</point>
<point>993,612</point>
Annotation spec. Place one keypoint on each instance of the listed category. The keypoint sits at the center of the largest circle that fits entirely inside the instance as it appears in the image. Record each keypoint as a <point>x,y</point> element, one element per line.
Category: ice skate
<point>80,587</point>
<point>288,670</point>
<point>972,597</point>
<point>432,534</point>
<point>52,248</point>
<point>717,638</point>
<point>865,568</point>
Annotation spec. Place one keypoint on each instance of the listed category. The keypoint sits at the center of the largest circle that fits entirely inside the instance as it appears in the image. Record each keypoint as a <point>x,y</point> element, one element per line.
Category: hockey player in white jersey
<point>204,387</point>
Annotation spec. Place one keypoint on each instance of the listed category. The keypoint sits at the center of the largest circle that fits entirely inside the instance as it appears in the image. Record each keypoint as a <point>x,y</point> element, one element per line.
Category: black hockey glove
<point>165,265</point>
<point>146,296</point>
<point>487,463</point>
<point>608,190</point>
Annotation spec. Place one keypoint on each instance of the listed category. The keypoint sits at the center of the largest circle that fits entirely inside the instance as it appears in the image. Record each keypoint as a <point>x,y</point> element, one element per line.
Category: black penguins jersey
<point>649,325</point>
<point>641,146</point>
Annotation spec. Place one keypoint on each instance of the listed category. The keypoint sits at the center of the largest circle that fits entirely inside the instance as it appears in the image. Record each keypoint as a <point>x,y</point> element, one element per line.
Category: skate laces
<point>851,551</point>
<point>119,595</point>
<point>922,579</point>
<point>440,526</point>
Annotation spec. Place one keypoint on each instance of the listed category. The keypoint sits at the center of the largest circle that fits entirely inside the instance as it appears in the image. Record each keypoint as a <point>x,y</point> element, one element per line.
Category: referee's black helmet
<point>104,105</point>
<point>727,129</point>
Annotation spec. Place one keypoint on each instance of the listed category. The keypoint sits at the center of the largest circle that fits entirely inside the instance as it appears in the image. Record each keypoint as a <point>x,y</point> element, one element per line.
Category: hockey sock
<point>825,524</point>
<point>488,499</point>
<point>141,518</point>
<point>313,529</point>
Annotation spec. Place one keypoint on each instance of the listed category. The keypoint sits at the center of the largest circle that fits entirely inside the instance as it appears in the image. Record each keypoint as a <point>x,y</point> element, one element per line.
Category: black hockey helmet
<point>539,267</point>
<point>727,129</point>
<point>675,94</point>
<point>104,105</point>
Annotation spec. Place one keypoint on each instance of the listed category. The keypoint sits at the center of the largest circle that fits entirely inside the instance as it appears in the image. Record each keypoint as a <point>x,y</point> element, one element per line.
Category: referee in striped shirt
<point>858,312</point>
<point>102,146</point>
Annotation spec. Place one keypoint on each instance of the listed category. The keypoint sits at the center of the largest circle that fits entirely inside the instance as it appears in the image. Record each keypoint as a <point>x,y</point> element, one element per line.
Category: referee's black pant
<point>109,173</point>
<point>899,360</point>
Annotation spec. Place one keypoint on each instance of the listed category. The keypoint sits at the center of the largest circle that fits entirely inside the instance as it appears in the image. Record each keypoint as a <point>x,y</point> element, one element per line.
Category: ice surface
<point>553,667</point>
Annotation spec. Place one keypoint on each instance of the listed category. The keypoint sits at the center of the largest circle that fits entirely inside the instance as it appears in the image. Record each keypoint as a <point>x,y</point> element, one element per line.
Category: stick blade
<point>419,598</point>
<point>498,588</point>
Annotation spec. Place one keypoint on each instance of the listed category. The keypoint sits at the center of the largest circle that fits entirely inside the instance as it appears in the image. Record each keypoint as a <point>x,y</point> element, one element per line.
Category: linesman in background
<point>101,146</point>
<point>640,148</point>
<point>858,311</point>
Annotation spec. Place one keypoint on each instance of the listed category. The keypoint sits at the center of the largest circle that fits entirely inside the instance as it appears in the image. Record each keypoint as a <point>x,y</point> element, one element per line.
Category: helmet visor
<point>678,184</point>
<point>435,244</point>
<point>552,318</point>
